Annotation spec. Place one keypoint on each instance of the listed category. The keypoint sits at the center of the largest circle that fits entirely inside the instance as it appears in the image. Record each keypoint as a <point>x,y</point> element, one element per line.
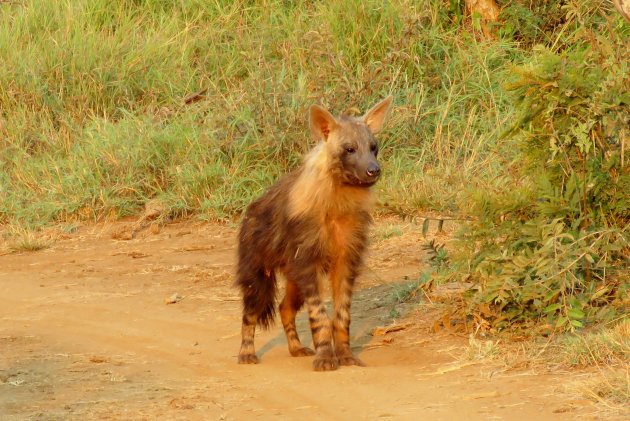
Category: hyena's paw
<point>325,363</point>
<point>302,352</point>
<point>350,359</point>
<point>248,359</point>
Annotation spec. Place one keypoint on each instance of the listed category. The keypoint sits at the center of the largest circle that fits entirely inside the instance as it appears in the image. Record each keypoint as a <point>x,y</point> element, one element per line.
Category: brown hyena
<point>310,225</point>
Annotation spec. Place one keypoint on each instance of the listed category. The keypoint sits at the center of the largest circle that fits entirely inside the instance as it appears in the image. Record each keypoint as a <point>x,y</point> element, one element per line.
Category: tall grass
<point>94,121</point>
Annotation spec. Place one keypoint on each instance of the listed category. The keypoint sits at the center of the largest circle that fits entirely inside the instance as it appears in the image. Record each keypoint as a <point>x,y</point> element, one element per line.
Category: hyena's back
<point>262,248</point>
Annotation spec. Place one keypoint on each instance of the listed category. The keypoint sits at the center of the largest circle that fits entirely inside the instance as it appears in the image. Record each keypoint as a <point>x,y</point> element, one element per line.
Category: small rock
<point>175,298</point>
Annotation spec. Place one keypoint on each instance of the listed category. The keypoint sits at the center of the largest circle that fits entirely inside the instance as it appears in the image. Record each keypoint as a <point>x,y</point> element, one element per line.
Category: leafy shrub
<point>552,248</point>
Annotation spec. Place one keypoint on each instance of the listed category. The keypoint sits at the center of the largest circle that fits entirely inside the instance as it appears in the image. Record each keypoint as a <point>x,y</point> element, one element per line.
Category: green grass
<point>94,122</point>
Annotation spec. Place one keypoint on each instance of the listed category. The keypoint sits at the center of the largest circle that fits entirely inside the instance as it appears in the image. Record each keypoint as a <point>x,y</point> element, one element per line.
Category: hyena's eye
<point>351,150</point>
<point>374,149</point>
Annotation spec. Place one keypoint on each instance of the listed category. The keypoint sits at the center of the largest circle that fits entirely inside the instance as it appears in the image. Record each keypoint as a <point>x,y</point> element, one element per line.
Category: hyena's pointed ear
<point>321,122</point>
<point>376,116</point>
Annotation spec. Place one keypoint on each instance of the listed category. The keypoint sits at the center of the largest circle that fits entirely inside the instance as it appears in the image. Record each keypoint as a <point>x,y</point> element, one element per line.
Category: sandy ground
<point>86,333</point>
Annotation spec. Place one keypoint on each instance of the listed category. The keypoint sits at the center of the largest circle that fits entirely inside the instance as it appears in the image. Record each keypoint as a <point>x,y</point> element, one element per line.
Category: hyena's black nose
<point>373,170</point>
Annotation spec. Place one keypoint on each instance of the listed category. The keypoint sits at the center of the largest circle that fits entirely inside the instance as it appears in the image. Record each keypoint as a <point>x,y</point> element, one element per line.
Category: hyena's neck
<point>317,193</point>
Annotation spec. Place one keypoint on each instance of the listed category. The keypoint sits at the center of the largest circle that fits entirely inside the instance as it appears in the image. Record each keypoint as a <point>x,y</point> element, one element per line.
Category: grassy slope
<point>94,124</point>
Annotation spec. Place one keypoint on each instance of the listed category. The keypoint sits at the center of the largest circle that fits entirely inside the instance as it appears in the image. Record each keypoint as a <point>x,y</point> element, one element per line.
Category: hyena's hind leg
<point>259,290</point>
<point>289,307</point>
<point>247,353</point>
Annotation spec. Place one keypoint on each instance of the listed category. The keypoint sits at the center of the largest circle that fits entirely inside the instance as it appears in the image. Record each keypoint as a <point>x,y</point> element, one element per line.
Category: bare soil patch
<point>100,326</point>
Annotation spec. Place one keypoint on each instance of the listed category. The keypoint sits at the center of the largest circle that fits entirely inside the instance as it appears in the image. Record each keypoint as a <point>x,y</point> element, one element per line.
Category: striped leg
<point>289,307</point>
<point>247,354</point>
<point>341,282</point>
<point>306,276</point>
<point>325,359</point>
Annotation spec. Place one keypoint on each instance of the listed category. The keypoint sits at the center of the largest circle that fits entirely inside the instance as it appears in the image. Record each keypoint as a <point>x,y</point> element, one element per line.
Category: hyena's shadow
<point>371,307</point>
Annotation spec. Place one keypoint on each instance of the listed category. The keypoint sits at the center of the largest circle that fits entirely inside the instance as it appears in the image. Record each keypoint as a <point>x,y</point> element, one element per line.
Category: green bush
<point>552,248</point>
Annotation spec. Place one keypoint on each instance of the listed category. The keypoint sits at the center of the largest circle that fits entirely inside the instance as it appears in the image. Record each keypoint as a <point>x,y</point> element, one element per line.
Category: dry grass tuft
<point>22,239</point>
<point>603,353</point>
<point>608,346</point>
<point>609,388</point>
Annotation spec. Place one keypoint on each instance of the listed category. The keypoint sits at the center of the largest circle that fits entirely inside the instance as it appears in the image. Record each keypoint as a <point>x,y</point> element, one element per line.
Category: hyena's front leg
<point>325,359</point>
<point>342,281</point>
<point>341,330</point>
<point>306,275</point>
<point>289,307</point>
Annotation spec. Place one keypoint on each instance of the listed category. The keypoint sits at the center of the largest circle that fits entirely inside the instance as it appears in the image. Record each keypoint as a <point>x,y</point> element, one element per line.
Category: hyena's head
<point>349,143</point>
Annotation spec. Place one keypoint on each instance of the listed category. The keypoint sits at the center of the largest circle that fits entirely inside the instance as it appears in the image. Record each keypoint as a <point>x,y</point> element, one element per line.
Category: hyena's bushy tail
<point>259,296</point>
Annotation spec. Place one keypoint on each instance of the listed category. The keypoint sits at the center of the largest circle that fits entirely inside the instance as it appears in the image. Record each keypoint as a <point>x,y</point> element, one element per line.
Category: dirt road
<point>86,333</point>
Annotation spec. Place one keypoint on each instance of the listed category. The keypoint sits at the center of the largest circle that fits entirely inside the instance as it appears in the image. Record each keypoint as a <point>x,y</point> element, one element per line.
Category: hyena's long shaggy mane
<point>318,189</point>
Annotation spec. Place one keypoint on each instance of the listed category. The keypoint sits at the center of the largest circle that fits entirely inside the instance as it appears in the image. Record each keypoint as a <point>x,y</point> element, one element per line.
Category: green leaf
<point>576,323</point>
<point>551,308</point>
<point>425,227</point>
<point>575,313</point>
<point>562,321</point>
